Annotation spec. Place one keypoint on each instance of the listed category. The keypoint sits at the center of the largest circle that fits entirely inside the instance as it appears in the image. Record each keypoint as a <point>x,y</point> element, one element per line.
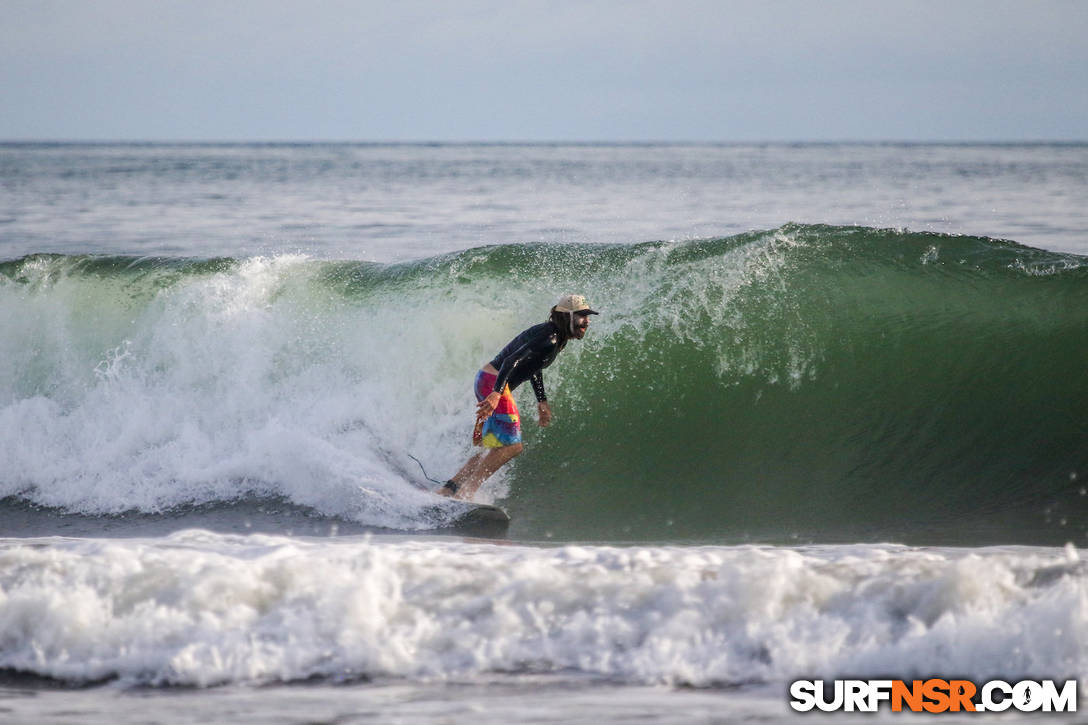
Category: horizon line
<point>540,142</point>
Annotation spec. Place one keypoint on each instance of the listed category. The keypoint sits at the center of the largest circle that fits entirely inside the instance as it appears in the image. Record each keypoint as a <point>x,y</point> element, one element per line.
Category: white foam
<point>167,388</point>
<point>202,609</point>
<point>254,379</point>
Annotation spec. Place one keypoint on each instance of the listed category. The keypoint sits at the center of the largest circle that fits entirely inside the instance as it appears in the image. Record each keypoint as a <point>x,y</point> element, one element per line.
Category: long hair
<point>563,321</point>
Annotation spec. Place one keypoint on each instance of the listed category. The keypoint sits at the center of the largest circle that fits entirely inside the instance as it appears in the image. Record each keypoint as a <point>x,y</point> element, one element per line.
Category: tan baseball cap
<point>574,303</point>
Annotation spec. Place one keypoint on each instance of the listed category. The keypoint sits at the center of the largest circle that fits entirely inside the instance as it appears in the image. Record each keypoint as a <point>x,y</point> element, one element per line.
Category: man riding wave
<point>498,424</point>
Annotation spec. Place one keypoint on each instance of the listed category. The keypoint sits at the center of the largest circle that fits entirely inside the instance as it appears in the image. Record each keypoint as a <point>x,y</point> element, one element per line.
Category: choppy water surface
<point>830,423</point>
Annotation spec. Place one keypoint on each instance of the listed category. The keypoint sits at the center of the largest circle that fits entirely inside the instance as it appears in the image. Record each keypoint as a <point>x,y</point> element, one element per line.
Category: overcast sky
<point>449,70</point>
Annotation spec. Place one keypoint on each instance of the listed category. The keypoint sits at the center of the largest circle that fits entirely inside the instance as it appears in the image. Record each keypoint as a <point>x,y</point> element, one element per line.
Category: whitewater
<point>830,423</point>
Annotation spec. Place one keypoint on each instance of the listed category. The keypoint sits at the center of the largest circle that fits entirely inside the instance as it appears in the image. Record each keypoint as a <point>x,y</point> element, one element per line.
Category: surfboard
<point>454,513</point>
<point>480,518</point>
<point>482,513</point>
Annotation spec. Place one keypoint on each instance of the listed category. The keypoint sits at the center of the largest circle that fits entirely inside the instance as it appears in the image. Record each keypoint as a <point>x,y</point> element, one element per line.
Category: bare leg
<point>479,468</point>
<point>468,469</point>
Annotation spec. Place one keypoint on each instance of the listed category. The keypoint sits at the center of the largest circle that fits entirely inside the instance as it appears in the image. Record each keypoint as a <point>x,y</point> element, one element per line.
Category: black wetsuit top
<point>526,356</point>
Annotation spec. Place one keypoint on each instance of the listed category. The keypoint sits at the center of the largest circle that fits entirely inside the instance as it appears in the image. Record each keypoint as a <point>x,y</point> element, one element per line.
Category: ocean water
<point>832,422</point>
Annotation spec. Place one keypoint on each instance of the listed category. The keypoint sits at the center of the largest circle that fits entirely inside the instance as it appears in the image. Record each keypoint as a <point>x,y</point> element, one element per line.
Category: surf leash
<point>440,483</point>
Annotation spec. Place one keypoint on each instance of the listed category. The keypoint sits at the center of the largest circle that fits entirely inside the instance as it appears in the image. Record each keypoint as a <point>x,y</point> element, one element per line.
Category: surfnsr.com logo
<point>933,695</point>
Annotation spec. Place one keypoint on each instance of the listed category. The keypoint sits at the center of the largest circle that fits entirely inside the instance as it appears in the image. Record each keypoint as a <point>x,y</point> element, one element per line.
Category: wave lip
<point>201,609</point>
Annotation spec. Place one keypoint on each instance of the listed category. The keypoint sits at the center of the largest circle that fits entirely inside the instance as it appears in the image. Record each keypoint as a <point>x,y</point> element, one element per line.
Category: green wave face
<point>809,382</point>
<point>831,383</point>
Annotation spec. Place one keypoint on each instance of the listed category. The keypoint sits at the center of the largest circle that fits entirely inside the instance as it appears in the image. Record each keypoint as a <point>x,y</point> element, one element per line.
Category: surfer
<point>498,425</point>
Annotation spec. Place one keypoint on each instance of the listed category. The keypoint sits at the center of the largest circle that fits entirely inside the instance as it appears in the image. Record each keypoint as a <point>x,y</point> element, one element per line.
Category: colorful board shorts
<point>503,427</point>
